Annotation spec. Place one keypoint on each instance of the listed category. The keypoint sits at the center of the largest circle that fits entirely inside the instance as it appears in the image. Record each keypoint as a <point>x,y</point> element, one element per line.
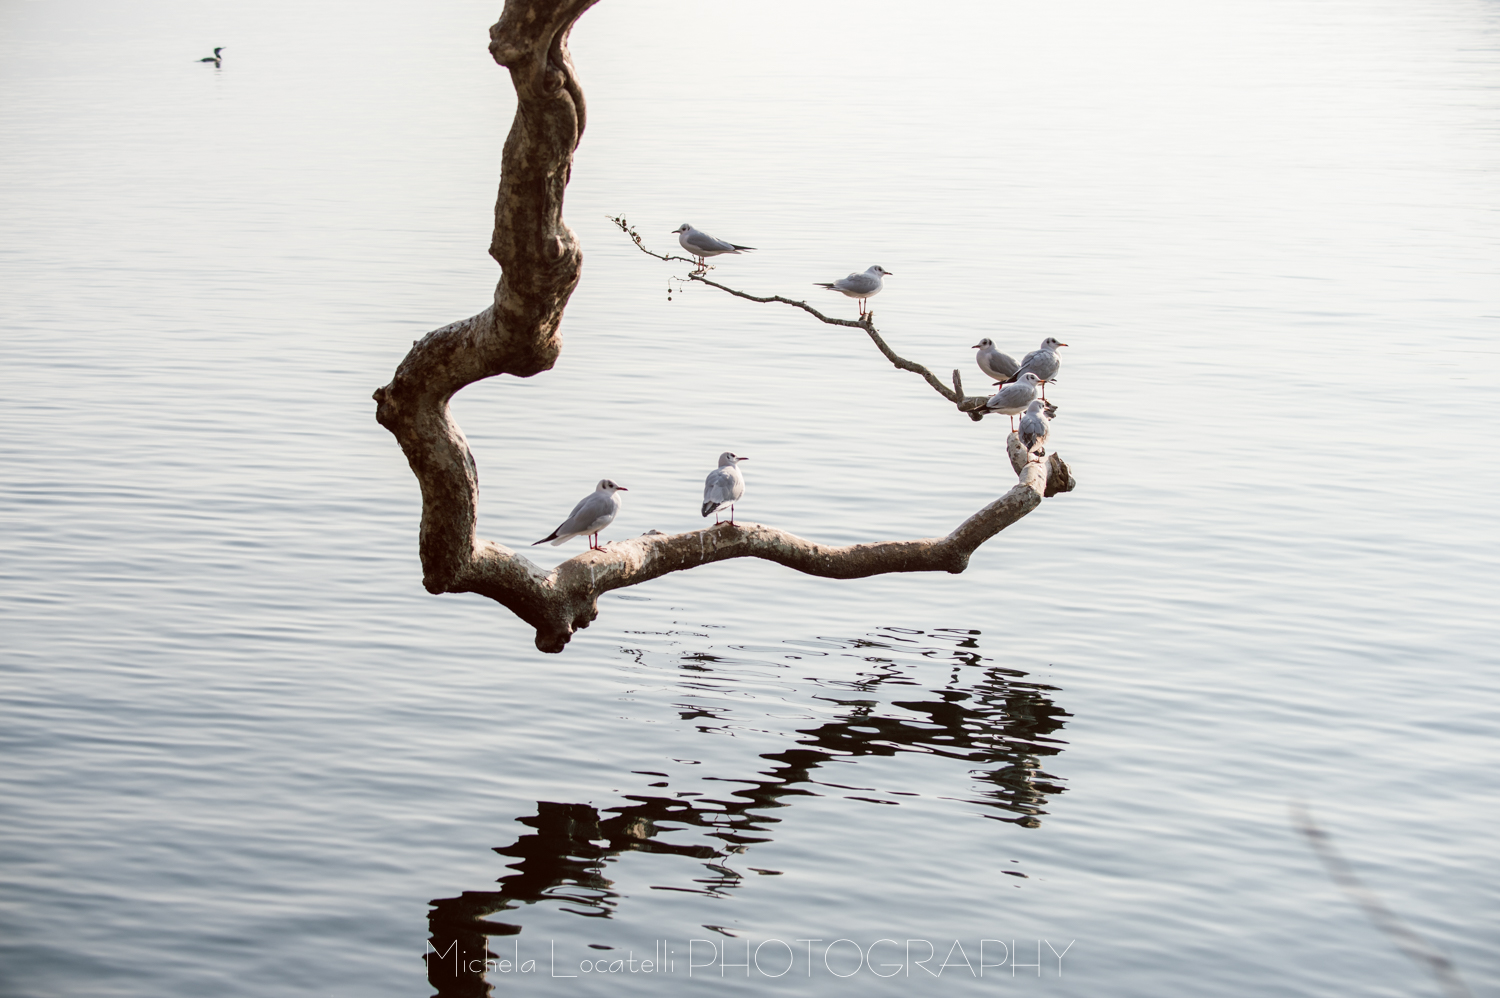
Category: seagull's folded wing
<point>704,241</point>
<point>588,510</point>
<point>718,487</point>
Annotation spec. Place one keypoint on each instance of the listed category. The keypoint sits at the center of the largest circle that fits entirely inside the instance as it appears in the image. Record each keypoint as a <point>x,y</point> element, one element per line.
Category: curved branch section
<point>540,262</point>
<point>559,602</point>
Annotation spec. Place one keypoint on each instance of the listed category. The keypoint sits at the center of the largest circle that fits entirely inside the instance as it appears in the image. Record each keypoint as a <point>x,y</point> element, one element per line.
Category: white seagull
<point>1044,362</point>
<point>862,286</point>
<point>996,366</point>
<point>215,58</point>
<point>1035,426</point>
<point>702,245</point>
<point>1013,399</point>
<point>724,485</point>
<point>593,513</point>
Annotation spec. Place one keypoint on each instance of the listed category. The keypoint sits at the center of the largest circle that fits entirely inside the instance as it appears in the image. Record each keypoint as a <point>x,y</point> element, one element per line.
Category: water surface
<point>246,753</point>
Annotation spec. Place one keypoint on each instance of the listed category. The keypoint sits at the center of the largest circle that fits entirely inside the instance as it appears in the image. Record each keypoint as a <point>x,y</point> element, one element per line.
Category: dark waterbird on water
<point>215,58</point>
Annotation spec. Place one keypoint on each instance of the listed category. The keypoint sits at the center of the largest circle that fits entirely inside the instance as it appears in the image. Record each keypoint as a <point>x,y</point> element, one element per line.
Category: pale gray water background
<point>243,749</point>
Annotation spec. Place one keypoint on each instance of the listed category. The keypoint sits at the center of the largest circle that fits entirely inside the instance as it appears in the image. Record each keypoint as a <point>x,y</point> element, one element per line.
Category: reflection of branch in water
<point>999,725</point>
<point>1412,945</point>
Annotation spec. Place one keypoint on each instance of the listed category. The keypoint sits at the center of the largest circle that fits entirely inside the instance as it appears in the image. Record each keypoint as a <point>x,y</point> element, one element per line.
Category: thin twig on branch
<point>629,230</point>
<point>971,405</point>
<point>517,334</point>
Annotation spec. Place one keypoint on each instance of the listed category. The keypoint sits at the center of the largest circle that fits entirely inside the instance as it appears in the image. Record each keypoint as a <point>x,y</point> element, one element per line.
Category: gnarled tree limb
<point>540,263</point>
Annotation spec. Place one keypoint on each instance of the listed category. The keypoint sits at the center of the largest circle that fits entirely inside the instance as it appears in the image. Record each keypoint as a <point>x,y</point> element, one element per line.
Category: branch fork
<point>540,262</point>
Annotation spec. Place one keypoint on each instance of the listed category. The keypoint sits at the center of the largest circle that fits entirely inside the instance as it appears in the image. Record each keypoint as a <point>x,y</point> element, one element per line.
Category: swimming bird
<point>723,485</point>
<point>996,366</point>
<point>862,286</point>
<point>1044,362</point>
<point>702,245</point>
<point>1035,426</point>
<point>593,513</point>
<point>1014,398</point>
<point>215,58</point>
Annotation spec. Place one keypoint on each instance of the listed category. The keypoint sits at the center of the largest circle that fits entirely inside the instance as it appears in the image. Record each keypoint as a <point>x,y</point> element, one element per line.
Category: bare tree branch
<point>971,405</point>
<point>558,602</point>
<point>540,263</point>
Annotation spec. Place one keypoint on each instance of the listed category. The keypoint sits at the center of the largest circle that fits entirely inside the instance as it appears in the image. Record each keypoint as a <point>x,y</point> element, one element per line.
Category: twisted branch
<point>540,263</point>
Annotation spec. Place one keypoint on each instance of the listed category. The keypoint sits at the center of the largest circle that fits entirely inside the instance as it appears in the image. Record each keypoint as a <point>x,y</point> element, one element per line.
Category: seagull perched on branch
<point>702,245</point>
<point>724,485</point>
<point>1013,399</point>
<point>996,366</point>
<point>862,286</point>
<point>215,58</point>
<point>593,513</point>
<point>1044,363</point>
<point>1035,426</point>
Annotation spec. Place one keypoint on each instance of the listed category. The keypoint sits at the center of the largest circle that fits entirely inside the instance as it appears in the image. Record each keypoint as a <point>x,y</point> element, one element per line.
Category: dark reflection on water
<point>984,716</point>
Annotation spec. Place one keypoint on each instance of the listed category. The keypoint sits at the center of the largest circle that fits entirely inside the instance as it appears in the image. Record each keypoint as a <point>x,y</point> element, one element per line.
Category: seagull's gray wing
<point>858,283</point>
<point>1034,429</point>
<point>996,364</point>
<point>705,243</point>
<point>1043,363</point>
<point>590,510</point>
<point>1016,395</point>
<point>722,486</point>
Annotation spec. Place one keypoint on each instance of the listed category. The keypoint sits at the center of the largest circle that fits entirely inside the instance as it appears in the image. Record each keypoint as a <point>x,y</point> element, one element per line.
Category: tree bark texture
<point>540,262</point>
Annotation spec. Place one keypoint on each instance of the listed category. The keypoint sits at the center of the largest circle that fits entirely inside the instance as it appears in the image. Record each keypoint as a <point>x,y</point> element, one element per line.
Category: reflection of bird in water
<point>215,58</point>
<point>724,485</point>
<point>992,722</point>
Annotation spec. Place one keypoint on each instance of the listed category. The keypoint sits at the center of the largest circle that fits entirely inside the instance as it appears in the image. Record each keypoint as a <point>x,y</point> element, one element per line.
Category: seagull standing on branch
<point>996,366</point>
<point>725,484</point>
<point>702,245</point>
<point>1044,363</point>
<point>592,514</point>
<point>1035,426</point>
<point>862,286</point>
<point>1013,399</point>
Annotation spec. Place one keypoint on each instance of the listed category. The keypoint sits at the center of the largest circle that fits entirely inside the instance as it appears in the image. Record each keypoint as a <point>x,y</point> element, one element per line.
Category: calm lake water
<point>245,753</point>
